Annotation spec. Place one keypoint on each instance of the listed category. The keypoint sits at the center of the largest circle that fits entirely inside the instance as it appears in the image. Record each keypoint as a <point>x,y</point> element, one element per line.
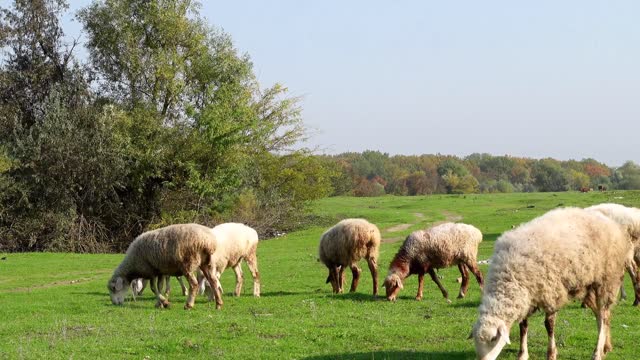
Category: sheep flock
<point>567,254</point>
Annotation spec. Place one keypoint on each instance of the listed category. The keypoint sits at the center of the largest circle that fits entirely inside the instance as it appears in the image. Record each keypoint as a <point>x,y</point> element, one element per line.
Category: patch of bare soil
<point>448,217</point>
<point>400,227</point>
<point>52,284</point>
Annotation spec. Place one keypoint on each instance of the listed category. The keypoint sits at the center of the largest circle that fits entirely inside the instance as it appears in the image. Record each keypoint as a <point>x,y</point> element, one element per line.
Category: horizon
<point>529,80</point>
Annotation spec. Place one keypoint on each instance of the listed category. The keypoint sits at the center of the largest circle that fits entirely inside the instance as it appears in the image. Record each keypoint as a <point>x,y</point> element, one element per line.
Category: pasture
<point>57,305</point>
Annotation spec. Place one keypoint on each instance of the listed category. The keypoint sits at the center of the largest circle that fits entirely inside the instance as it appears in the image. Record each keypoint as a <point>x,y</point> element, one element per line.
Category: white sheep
<point>629,219</point>
<point>565,254</point>
<point>236,242</point>
<point>441,246</point>
<point>344,245</point>
<point>175,250</point>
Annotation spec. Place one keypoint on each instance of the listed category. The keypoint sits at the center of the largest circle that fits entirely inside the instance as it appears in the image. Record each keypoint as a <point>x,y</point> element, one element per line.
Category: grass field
<point>57,305</point>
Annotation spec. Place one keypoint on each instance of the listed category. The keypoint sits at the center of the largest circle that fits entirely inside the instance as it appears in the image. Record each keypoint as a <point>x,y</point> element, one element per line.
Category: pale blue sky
<point>536,79</point>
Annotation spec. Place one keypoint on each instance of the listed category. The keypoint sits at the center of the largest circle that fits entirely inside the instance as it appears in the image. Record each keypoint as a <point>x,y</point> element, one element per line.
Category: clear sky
<point>539,79</point>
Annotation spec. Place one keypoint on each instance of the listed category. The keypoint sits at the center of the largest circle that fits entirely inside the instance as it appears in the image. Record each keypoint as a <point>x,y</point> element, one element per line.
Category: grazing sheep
<point>629,219</point>
<point>175,250</point>
<point>344,245</point>
<point>235,242</point>
<point>438,247</point>
<point>565,254</point>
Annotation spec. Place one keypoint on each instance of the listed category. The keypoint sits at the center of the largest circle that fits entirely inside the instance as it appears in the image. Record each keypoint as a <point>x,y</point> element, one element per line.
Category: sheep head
<point>489,335</point>
<point>118,286</point>
<point>393,284</point>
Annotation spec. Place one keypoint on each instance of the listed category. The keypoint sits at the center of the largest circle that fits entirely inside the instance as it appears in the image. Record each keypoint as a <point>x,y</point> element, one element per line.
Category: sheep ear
<point>504,334</point>
<point>328,279</point>
<point>119,284</point>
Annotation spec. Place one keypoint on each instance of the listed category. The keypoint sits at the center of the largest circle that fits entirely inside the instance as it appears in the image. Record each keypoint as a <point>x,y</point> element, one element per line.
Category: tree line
<point>373,173</point>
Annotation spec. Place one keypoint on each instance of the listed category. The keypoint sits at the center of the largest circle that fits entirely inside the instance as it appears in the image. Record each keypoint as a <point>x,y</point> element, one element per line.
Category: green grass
<point>57,306</point>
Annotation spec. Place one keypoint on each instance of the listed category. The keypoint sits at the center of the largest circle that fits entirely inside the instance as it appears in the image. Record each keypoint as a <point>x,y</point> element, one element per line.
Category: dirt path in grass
<point>56,283</point>
<point>448,217</point>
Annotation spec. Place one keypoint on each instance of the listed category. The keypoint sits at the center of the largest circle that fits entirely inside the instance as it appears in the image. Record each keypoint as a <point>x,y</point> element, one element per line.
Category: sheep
<point>235,242</point>
<point>344,245</point>
<point>565,254</point>
<point>438,247</point>
<point>175,250</point>
<point>629,219</point>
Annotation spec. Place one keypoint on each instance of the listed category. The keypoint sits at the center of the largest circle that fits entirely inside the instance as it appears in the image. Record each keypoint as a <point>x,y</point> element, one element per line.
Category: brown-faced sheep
<point>235,242</point>
<point>175,250</point>
<point>564,254</point>
<point>344,245</point>
<point>438,247</point>
<point>629,219</point>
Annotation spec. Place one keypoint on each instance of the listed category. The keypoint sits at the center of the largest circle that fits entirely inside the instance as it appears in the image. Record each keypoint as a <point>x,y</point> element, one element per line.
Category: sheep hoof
<point>635,303</point>
<point>419,298</point>
<point>162,304</point>
<point>461,296</point>
<point>188,307</point>
<point>448,301</point>
<point>218,306</point>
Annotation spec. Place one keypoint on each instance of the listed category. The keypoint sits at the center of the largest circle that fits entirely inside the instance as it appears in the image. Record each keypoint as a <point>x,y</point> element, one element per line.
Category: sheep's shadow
<point>465,304</point>
<point>399,354</point>
<point>490,237</point>
<point>285,293</point>
<point>355,296</point>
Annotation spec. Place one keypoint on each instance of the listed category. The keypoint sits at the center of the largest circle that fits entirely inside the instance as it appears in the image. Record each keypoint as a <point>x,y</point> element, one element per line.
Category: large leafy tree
<point>64,153</point>
<point>196,97</point>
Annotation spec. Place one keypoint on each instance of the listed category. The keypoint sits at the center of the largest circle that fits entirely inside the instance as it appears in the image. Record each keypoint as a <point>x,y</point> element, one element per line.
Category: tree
<point>549,176</point>
<point>164,66</point>
<point>627,176</point>
<point>65,168</point>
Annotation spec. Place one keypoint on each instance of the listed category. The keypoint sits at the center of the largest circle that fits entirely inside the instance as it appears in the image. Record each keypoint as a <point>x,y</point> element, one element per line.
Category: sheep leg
<point>607,344</point>
<point>144,285</point>
<point>341,280</point>
<point>373,267</point>
<point>549,324</point>
<point>635,279</point>
<point>252,263</point>
<point>210,274</point>
<point>239,279</point>
<point>435,279</point>
<point>355,271</point>
<point>334,275</point>
<point>162,302</point>
<point>202,283</point>
<point>473,266</point>
<point>182,287</point>
<point>420,286</point>
<point>601,317</point>
<point>524,330</point>
<point>193,287</point>
<point>465,280</point>
<point>167,281</point>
